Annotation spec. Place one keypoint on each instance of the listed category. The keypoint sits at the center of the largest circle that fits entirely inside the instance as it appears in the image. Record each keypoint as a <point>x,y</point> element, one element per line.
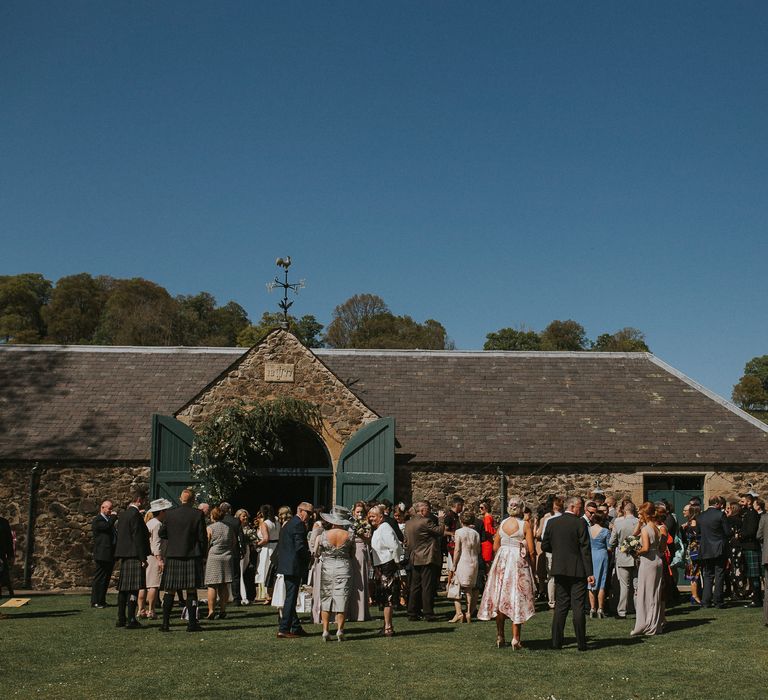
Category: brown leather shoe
<point>287,635</point>
<point>301,632</point>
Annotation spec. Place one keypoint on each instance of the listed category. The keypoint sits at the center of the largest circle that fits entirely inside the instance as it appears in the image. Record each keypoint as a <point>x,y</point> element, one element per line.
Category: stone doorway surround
<point>280,366</point>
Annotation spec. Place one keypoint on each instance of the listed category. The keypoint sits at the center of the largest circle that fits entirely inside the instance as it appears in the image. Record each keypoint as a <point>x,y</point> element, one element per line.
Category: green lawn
<point>58,647</point>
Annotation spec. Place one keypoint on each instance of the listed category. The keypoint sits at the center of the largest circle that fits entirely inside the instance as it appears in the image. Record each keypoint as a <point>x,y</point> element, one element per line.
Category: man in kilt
<point>184,529</point>
<point>132,549</point>
<point>750,547</point>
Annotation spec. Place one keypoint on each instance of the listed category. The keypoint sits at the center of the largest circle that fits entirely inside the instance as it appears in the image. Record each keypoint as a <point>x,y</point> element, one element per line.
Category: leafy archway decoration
<point>244,436</point>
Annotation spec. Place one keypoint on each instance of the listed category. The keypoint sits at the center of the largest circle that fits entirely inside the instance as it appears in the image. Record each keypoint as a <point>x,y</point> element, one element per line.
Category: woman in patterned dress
<point>692,537</point>
<point>510,591</point>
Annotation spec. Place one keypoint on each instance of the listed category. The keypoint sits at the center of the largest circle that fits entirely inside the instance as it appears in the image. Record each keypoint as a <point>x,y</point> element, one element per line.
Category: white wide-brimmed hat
<point>160,504</point>
<point>339,515</point>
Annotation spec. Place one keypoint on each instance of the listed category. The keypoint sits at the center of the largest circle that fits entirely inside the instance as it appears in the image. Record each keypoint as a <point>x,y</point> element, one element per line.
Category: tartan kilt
<point>751,563</point>
<point>182,574</point>
<point>132,575</point>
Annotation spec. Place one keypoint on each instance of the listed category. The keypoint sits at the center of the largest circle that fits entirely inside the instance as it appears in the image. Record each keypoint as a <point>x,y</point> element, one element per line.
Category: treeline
<point>83,309</point>
<point>566,335</point>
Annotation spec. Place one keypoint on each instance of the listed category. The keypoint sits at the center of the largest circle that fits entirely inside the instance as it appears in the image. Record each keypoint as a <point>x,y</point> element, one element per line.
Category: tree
<point>200,322</point>
<point>625,340</point>
<point>74,311</point>
<point>138,312</point>
<point>387,331</point>
<point>758,367</point>
<point>512,339</point>
<point>564,335</point>
<point>750,394</point>
<point>306,329</point>
<point>22,298</point>
<point>348,317</point>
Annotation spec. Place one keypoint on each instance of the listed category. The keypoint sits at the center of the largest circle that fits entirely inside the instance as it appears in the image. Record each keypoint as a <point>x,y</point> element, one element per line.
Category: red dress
<point>489,528</point>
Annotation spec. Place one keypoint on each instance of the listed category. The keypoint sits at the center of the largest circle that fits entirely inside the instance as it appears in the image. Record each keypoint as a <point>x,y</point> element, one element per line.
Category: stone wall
<point>67,497</point>
<point>343,413</point>
<point>438,483</point>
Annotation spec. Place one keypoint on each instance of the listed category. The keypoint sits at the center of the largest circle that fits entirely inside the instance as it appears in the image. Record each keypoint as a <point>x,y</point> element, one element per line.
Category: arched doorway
<point>303,472</point>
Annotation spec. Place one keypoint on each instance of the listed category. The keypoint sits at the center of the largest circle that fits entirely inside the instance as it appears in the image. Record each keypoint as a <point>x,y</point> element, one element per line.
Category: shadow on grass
<point>407,633</point>
<point>43,614</point>
<point>676,625</point>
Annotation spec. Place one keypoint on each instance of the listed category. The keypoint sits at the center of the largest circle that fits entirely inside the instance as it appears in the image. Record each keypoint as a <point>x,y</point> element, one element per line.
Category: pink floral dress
<point>509,589</point>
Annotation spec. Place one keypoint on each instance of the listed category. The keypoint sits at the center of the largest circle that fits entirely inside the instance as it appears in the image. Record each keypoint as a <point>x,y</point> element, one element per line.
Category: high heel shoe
<point>325,636</point>
<point>516,644</point>
<point>340,636</point>
<point>500,642</point>
<point>210,616</point>
<point>695,601</point>
<point>601,614</point>
<point>458,617</point>
<point>592,613</point>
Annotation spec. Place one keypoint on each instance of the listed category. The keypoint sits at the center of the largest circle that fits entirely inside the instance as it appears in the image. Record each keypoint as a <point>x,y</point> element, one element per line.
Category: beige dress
<point>466,552</point>
<point>648,620</point>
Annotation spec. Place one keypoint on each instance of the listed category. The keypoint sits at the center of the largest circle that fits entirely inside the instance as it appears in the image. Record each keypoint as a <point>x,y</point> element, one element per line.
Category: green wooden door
<point>170,460</point>
<point>366,468</point>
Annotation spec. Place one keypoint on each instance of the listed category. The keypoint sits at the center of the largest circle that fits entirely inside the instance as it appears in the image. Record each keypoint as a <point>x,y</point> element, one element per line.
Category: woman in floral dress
<point>510,591</point>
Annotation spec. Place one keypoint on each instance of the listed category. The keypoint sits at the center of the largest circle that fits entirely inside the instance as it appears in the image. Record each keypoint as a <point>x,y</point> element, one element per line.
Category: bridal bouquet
<point>630,545</point>
<point>363,529</point>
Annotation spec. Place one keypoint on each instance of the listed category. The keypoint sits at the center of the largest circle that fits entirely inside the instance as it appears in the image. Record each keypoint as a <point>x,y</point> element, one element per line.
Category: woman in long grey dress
<point>335,548</point>
<point>648,604</point>
<point>218,568</point>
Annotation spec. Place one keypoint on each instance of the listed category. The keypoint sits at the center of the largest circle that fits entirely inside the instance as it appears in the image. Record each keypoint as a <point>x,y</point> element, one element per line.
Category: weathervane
<point>284,304</point>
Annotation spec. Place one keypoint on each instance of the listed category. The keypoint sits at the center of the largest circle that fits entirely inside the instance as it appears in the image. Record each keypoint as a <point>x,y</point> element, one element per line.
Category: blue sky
<point>484,164</point>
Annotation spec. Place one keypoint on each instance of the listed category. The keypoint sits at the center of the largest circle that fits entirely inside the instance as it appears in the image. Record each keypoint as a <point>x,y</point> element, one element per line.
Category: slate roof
<point>86,403</point>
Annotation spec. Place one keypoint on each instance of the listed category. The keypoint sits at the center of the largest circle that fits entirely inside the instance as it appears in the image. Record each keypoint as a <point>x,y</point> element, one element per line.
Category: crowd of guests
<point>593,558</point>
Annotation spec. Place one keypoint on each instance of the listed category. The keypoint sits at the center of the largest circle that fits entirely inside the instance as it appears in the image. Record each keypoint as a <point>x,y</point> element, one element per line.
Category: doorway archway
<point>302,472</point>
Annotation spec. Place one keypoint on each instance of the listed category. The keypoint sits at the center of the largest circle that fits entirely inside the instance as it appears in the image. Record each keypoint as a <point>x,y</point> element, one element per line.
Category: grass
<point>58,647</point>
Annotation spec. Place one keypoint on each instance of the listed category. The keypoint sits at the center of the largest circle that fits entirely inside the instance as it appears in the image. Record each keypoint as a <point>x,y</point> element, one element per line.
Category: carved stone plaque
<point>277,372</point>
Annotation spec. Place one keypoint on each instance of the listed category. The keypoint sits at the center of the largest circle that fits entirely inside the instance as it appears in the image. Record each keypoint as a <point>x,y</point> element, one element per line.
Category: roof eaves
<point>141,350</point>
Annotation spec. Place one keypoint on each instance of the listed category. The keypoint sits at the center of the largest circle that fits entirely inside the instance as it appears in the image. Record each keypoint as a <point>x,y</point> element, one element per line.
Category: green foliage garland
<point>243,437</point>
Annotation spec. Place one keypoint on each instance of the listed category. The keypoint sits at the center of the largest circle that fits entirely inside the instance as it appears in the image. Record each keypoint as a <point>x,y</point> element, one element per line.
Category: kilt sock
<point>132,604</point>
<point>167,607</point>
<point>122,602</point>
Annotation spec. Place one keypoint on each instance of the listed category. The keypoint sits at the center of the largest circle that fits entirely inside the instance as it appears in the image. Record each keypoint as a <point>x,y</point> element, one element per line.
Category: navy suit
<point>292,563</point>
<point>712,554</point>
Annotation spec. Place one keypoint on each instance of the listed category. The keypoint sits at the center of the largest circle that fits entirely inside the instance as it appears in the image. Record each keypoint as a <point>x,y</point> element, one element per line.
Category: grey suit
<point>762,537</point>
<point>626,567</point>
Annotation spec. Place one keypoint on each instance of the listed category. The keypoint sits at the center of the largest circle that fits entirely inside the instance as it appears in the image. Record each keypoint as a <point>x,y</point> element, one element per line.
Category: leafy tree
<point>564,335</point>
<point>387,331</point>
<point>306,329</point>
<point>138,312</point>
<point>349,316</point>
<point>512,339</point>
<point>750,394</point>
<point>74,311</point>
<point>758,367</point>
<point>625,340</point>
<point>22,298</point>
<point>201,322</point>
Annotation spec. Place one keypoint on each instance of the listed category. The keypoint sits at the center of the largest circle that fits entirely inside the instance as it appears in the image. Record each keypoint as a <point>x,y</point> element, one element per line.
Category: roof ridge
<point>140,349</point>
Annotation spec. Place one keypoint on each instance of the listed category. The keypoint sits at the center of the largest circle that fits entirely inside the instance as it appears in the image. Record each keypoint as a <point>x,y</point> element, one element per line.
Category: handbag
<point>453,591</point>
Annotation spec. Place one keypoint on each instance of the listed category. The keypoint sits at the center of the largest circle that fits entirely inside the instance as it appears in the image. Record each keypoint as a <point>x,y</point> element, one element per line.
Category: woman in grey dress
<point>335,548</point>
<point>648,604</point>
<point>218,568</point>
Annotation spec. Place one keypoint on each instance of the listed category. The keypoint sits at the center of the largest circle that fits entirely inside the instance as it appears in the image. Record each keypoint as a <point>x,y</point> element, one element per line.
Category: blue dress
<point>600,558</point>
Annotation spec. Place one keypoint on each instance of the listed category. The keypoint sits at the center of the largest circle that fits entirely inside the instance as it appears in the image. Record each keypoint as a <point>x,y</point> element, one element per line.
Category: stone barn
<point>79,424</point>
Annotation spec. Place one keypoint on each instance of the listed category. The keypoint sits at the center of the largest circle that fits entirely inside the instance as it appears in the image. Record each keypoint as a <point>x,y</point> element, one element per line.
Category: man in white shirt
<point>557,511</point>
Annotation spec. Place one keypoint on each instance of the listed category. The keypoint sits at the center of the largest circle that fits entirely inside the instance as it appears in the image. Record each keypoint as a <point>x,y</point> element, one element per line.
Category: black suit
<point>184,529</point>
<point>712,554</point>
<point>237,529</point>
<point>6,556</point>
<point>292,563</point>
<point>104,538</point>
<point>567,539</point>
